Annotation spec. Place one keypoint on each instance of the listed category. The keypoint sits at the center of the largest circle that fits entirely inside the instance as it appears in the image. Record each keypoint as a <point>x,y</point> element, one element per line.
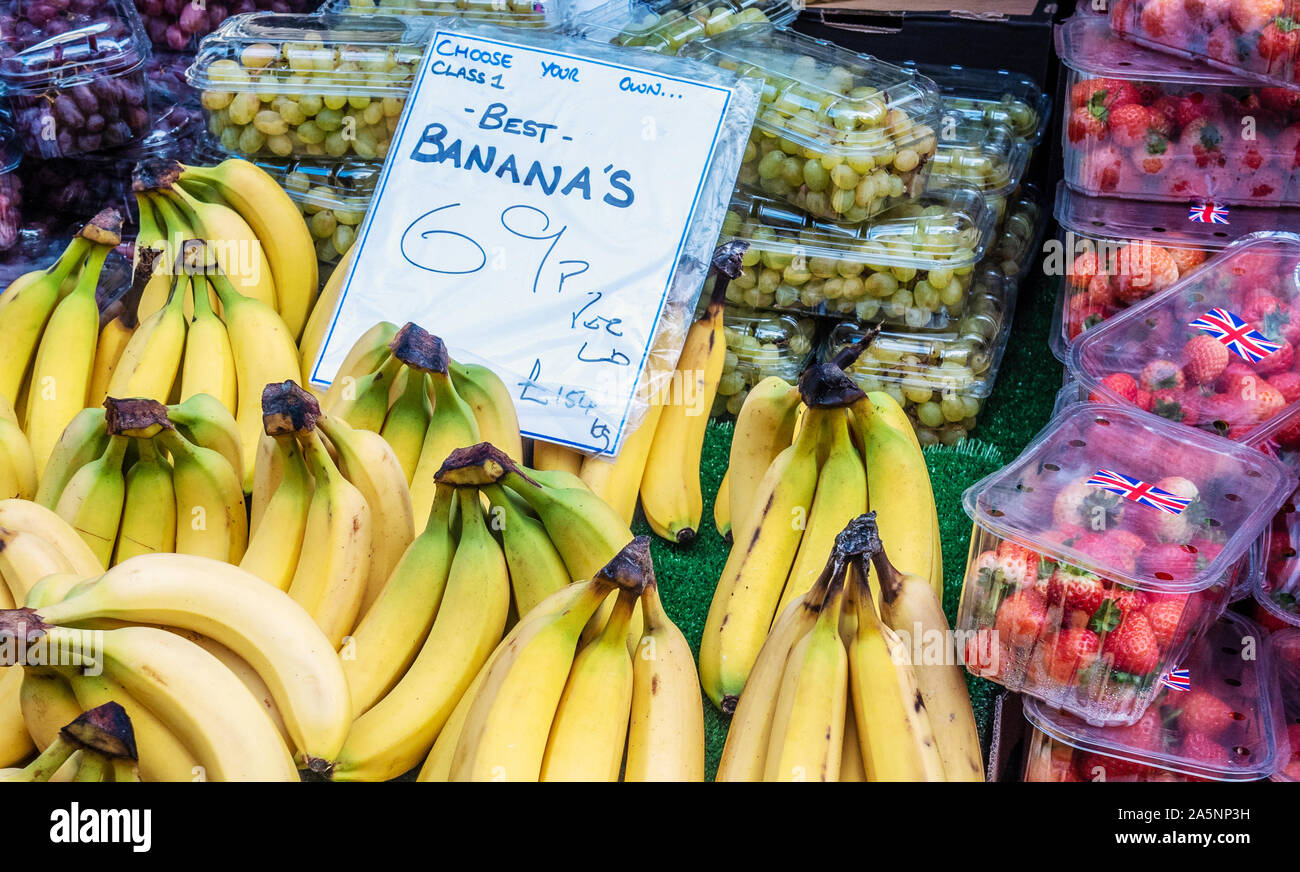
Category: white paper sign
<point>532,213</point>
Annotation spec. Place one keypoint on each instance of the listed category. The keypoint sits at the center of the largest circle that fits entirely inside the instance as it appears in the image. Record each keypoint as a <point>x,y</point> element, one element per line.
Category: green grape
<point>251,140</point>
<point>270,123</point>
<point>336,102</point>
<point>280,145</point>
<point>329,120</point>
<point>243,108</point>
<point>929,414</point>
<point>343,238</point>
<point>310,132</point>
<point>322,224</point>
<point>336,144</point>
<point>310,104</point>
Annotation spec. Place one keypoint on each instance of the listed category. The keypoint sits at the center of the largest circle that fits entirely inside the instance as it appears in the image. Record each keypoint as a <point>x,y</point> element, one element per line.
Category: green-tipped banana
<point>494,408</point>
<point>210,517</point>
<point>536,569</point>
<point>408,421</point>
<point>83,440</point>
<point>275,544</point>
<point>204,421</point>
<point>92,501</point>
<point>149,514</point>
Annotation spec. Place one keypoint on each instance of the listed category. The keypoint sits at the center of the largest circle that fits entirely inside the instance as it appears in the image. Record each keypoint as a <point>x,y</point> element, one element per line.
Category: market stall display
<point>761,345</point>
<point>1147,126</point>
<point>665,26</point>
<point>1012,100</point>
<point>1217,717</point>
<point>840,135</point>
<point>1092,568</point>
<point>535,14</point>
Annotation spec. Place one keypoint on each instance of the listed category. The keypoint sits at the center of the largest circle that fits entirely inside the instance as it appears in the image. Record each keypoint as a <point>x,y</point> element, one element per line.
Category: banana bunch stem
<point>102,738</point>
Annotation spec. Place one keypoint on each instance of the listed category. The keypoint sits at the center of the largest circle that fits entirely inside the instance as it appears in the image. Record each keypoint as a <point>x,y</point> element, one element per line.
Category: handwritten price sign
<point>534,212</point>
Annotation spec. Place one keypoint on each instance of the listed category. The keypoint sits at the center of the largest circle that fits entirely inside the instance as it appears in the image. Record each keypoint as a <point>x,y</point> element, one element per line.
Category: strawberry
<point>1020,618</point>
<point>1082,93</point>
<point>1278,40</point>
<point>1203,749</point>
<point>1189,108</point>
<point>1129,539</point>
<point>1203,712</point>
<point>1186,259</point>
<point>1287,384</point>
<point>1084,125</point>
<point>1141,270</point>
<point>1108,552</point>
<point>1120,383</point>
<point>1176,405</point>
<point>1278,361</point>
<point>1265,312</point>
<point>984,652</point>
<point>1227,46</point>
<point>1161,375</point>
<point>1164,20</point>
<point>1237,380</point>
<point>1268,401</point>
<point>1126,599</point>
<point>1143,400</point>
<point>1165,618</point>
<point>1282,101</point>
<point>1155,154</point>
<point>1205,359</point>
<point>1203,139</point>
<point>1099,767</point>
<point>1019,565</point>
<point>1129,124</point>
<point>1071,652</point>
<point>1083,269</point>
<point>1073,588</point>
<point>1252,16</point>
<point>1287,435</point>
<point>1104,168</point>
<point>1132,645</point>
<point>1167,561</point>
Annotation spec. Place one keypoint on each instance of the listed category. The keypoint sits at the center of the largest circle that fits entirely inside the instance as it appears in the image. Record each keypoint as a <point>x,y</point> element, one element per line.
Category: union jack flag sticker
<point>1139,491</point>
<point>1241,339</point>
<point>1177,679</point>
<point>1208,213</point>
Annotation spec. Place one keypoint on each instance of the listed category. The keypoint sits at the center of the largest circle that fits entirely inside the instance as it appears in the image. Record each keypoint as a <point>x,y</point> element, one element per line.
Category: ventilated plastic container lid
<point>996,96</point>
<point>961,363</point>
<point>1019,238</point>
<point>327,184</point>
<point>948,229</point>
<point>665,26</point>
<point>87,41</point>
<point>349,55</point>
<point>1286,660</point>
<point>542,14</point>
<point>1225,726</point>
<point>1160,223</point>
<point>825,98</point>
<point>1243,297</point>
<point>769,343</point>
<point>980,155</point>
<point>1179,477</point>
<point>1087,45</point>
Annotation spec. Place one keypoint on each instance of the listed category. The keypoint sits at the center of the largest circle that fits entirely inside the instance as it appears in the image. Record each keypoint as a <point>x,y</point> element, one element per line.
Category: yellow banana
<point>151,362</point>
<point>92,501</point>
<point>407,422</point>
<point>618,481</point>
<point>759,563</point>
<point>211,520</point>
<point>84,439</point>
<point>15,742</point>
<point>494,408</point>
<point>149,508</point>
<point>547,457</point>
<point>322,317</point>
<point>279,226</point>
<point>453,424</point>
<point>18,477</point>
<point>333,571</point>
<point>665,739</point>
<point>25,559</point>
<point>275,544</point>
<point>154,258</point>
<point>764,428</point>
<point>536,569</point>
<point>392,631</point>
<point>366,355</point>
<point>398,730</point>
<point>204,421</point>
<point>23,516</point>
<point>209,363</point>
<point>722,507</point>
<point>589,732</point>
<point>48,704</point>
<point>64,362</point>
<point>364,404</point>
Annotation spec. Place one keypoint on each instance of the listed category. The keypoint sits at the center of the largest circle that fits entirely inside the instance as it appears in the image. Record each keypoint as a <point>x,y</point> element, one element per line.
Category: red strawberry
<point>1122,384</point>
<point>1177,405</point>
<point>1021,616</point>
<point>1203,712</point>
<point>1278,361</point>
<point>1287,384</point>
<point>1129,124</point>
<point>984,653</point>
<point>1267,402</point>
<point>1143,269</point>
<point>1132,645</point>
<point>1108,552</point>
<point>1167,561</point>
<point>1287,435</point>
<point>1237,380</point>
<point>1019,565</point>
<point>1252,16</point>
<point>1155,154</point>
<point>1283,101</point>
<point>1085,124</point>
<point>1143,400</point>
<point>1265,312</point>
<point>1127,599</point>
<point>1203,749</point>
<point>1104,169</point>
<point>1159,375</point>
<point>1164,20</point>
<point>1186,259</point>
<point>1082,93</point>
<point>1226,46</point>
<point>1165,618</point>
<point>1278,40</point>
<point>1071,652</point>
<point>1073,588</point>
<point>1203,139</point>
<point>1205,358</point>
<point>1190,107</point>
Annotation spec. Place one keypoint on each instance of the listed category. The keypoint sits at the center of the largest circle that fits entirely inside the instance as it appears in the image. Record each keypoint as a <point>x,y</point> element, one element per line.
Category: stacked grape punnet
<point>332,217</point>
<point>176,24</point>
<point>506,13</point>
<point>308,96</point>
<point>759,345</point>
<point>664,26</point>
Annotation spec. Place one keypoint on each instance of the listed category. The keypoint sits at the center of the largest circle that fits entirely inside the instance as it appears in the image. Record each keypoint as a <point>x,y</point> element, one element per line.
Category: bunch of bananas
<point>137,477</point>
<point>804,461</point>
<point>224,677</point>
<point>561,698</point>
<point>331,512</point>
<point>835,694</point>
<point>49,328</point>
<point>660,459</point>
<point>403,385</point>
<point>98,745</point>
<point>494,532</point>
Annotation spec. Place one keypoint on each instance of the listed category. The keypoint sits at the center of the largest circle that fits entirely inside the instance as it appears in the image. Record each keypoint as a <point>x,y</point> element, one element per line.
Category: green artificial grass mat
<point>1018,408</point>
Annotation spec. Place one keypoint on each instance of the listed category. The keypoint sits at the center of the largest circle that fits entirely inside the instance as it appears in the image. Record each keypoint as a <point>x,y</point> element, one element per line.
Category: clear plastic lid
<point>1013,100</point>
<point>1019,238</point>
<point>829,101</point>
<point>665,26</point>
<point>980,155</point>
<point>541,14</point>
<point>89,39</point>
<point>1286,660</point>
<point>768,343</point>
<point>1181,483</point>
<point>1276,580</point>
<point>1086,45</point>
<point>347,185</point>
<point>1218,715</point>
<point>1211,350</point>
<point>349,56</point>
<point>963,362</point>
